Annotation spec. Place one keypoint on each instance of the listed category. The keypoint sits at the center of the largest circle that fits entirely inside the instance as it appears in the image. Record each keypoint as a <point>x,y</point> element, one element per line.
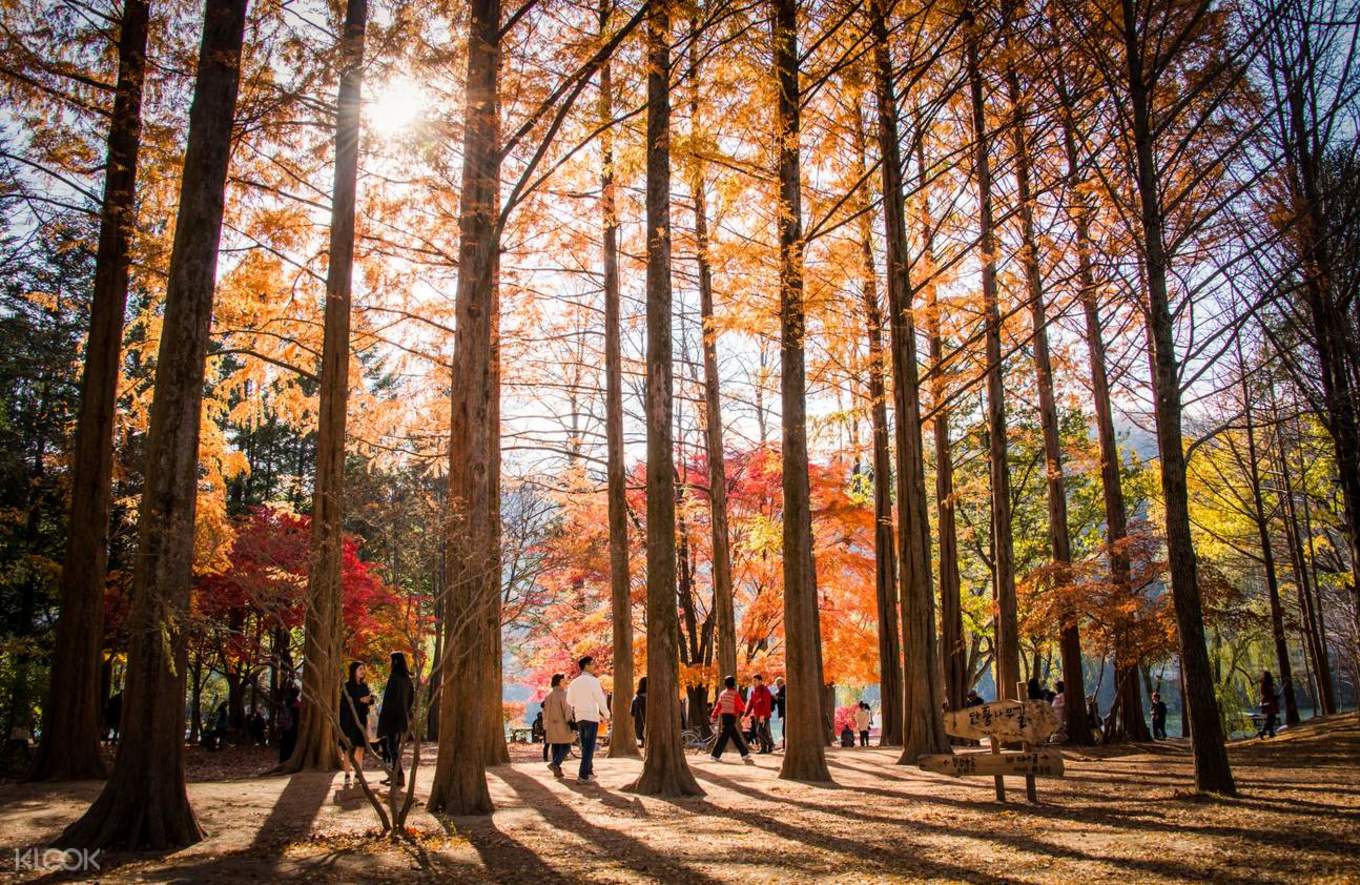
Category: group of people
<point>394,718</point>
<point>576,710</point>
<point>760,705</point>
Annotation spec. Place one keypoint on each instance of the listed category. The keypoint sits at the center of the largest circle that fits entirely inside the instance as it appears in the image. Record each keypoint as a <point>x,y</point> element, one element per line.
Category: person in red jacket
<point>759,705</point>
<point>728,706</point>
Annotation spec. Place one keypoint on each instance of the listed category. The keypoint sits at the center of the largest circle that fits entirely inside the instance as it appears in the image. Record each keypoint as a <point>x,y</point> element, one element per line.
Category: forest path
<point>1121,814</point>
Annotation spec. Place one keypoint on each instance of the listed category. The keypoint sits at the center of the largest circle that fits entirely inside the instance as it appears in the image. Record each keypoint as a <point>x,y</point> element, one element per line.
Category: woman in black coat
<point>355,700</point>
<point>394,720</point>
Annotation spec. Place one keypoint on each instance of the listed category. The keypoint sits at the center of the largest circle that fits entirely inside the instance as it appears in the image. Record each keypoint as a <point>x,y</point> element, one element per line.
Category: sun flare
<point>394,107</point>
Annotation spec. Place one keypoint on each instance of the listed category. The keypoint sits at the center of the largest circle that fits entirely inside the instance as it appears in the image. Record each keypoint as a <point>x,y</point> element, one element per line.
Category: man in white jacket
<point>589,705</point>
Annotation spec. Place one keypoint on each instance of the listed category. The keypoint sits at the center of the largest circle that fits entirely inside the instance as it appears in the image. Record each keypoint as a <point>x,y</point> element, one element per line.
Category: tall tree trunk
<point>885,536</point>
<point>953,654</point>
<point>623,742</point>
<point>1111,481</point>
<point>70,735</point>
<point>723,607</point>
<point>923,725</point>
<point>1212,771</point>
<point>1262,520</point>
<point>473,565</point>
<point>1007,627</point>
<point>1310,623</point>
<point>1340,388</point>
<point>1060,541</point>
<point>144,804</point>
<point>804,754</point>
<point>323,647</point>
<point>664,770</point>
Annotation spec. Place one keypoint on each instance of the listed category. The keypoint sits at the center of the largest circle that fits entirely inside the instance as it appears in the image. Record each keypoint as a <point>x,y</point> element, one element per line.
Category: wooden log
<point>1031,722</point>
<point>1037,763</point>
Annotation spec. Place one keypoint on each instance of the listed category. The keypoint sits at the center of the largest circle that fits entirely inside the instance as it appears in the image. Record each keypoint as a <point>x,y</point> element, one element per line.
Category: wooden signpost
<point>1028,723</point>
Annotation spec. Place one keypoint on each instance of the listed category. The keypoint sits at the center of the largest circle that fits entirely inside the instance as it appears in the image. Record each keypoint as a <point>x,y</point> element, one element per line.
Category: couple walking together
<point>572,711</point>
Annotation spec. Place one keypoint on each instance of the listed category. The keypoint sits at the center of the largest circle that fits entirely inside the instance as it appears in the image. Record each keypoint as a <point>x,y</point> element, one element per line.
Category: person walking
<point>728,708</point>
<point>287,723</point>
<point>780,698</point>
<point>589,706</point>
<point>1158,717</point>
<point>864,717</point>
<point>639,712</point>
<point>758,707</point>
<point>557,731</point>
<point>1270,705</point>
<point>394,719</point>
<point>355,699</point>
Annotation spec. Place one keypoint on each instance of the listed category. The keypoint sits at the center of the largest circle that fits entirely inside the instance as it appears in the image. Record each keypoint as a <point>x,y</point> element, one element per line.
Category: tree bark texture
<point>473,565</point>
<point>1006,619</point>
<point>70,736</point>
<point>145,804</point>
<point>323,644</point>
<point>623,742</point>
<point>1212,771</point>
<point>923,725</point>
<point>664,769</point>
<point>804,753</point>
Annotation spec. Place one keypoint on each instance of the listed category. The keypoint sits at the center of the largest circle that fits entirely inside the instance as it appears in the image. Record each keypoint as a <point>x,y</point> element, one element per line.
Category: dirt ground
<point>1119,815</point>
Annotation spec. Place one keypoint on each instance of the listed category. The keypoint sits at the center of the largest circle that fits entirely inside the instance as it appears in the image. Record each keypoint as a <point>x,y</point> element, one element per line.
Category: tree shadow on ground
<point>559,814</point>
<point>293,815</point>
<point>1007,835</point>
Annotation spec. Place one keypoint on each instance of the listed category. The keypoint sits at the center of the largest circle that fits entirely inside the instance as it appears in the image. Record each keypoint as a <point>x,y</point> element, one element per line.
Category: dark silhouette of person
<point>394,719</point>
<point>1270,705</point>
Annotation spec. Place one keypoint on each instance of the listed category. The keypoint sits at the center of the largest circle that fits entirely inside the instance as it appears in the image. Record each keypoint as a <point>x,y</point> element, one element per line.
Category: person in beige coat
<point>557,724</point>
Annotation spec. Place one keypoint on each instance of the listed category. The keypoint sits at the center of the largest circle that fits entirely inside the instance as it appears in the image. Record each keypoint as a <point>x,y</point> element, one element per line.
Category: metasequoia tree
<point>471,731</point>
<point>1309,51</point>
<point>1258,515</point>
<point>1059,538</point>
<point>145,804</point>
<point>725,618</point>
<point>804,754</point>
<point>322,651</point>
<point>1127,718</point>
<point>664,771</point>
<point>885,537</point>
<point>70,734</point>
<point>1007,630</point>
<point>923,726</point>
<point>473,572</point>
<point>953,654</point>
<point>623,742</point>
<point>1153,35</point>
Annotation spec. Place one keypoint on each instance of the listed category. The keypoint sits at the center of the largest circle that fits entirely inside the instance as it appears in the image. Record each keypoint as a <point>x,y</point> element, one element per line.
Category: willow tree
<point>923,726</point>
<point>623,742</point>
<point>664,771</point>
<point>70,734</point>
<point>145,804</point>
<point>323,627</point>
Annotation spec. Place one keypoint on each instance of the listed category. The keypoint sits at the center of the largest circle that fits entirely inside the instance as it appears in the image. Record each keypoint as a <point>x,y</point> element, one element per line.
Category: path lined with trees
<point>620,329</point>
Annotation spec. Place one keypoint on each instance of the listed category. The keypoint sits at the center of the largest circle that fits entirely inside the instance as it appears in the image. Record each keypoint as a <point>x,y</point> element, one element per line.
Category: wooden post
<point>998,779</point>
<point>1031,794</point>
